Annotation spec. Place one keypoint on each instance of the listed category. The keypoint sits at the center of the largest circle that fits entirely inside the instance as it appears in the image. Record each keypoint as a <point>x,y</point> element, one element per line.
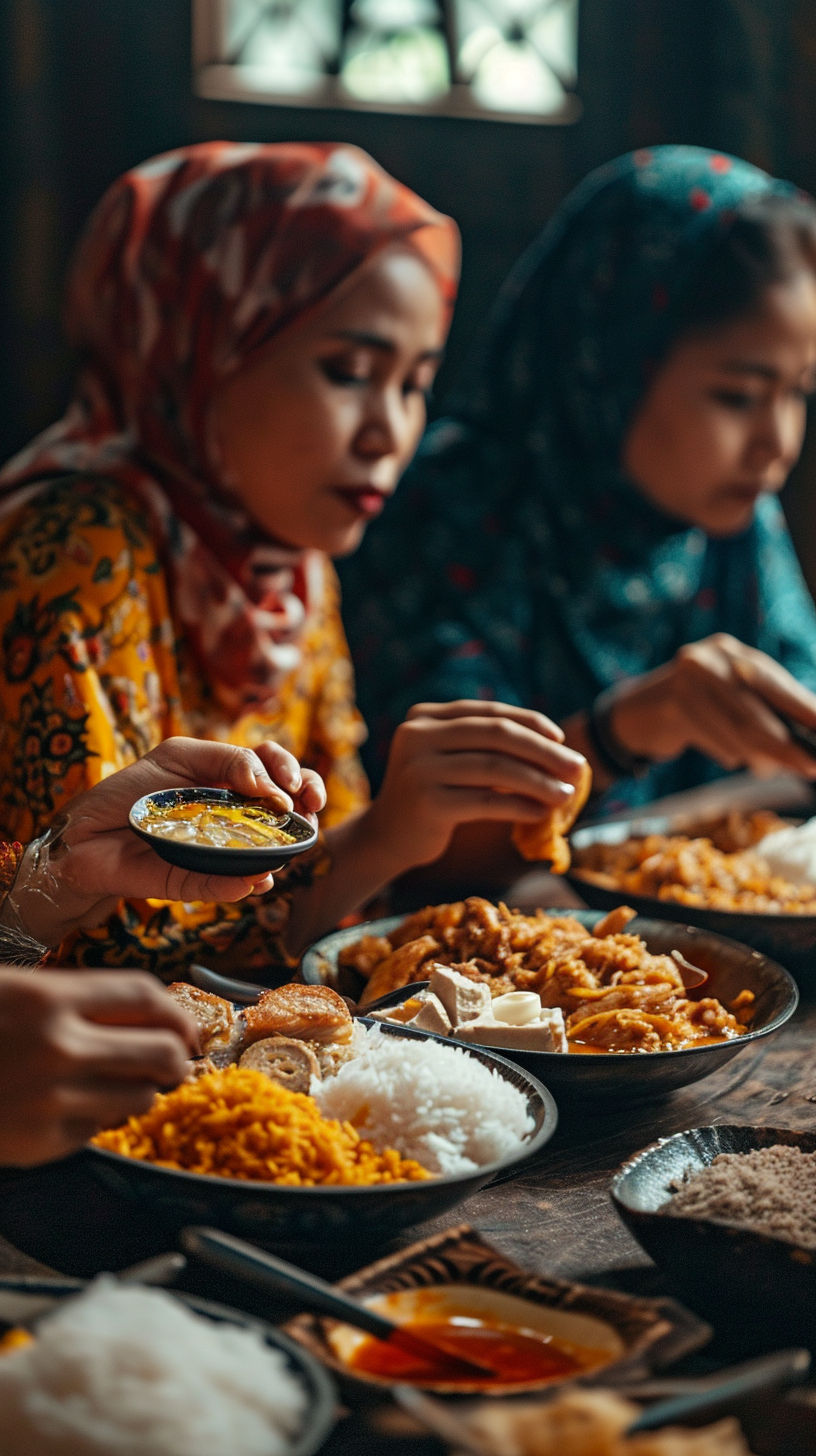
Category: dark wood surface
<point>553,1217</point>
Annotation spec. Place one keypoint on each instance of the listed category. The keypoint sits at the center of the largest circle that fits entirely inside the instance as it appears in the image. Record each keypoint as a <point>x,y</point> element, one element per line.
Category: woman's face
<point>315,434</point>
<point>724,417</point>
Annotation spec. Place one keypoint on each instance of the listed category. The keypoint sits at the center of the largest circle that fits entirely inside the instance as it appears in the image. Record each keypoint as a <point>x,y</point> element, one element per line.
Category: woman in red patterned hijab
<point>190,266</point>
<point>257,328</point>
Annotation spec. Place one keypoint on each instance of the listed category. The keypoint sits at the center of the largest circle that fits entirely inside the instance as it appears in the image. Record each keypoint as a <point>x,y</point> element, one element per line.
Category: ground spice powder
<point>770,1190</point>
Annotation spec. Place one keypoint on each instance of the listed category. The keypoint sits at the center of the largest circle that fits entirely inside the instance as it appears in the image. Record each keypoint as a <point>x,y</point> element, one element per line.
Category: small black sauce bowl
<point>206,860</point>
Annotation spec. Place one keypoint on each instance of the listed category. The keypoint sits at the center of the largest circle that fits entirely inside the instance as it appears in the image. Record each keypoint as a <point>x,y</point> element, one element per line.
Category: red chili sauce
<point>516,1356</point>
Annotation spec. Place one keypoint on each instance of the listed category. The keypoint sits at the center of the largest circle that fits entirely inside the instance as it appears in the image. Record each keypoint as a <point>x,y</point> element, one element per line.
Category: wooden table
<point>553,1217</point>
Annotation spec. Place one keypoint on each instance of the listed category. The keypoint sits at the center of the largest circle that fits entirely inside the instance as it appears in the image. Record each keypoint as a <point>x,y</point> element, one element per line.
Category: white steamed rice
<point>131,1372</point>
<point>434,1103</point>
<point>791,852</point>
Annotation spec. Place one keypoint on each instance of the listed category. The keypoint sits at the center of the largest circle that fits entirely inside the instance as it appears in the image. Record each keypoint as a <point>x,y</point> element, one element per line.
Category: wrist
<point>620,757</point>
<point>43,903</point>
<point>375,840</point>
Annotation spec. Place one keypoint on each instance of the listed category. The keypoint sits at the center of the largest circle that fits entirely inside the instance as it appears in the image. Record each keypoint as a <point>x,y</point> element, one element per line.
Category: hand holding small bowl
<point>95,845</point>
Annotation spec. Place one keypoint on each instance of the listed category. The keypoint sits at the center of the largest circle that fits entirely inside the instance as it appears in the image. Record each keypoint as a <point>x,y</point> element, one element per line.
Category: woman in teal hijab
<point>593,530</point>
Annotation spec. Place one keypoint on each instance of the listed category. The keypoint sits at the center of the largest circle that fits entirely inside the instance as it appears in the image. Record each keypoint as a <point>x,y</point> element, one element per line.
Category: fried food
<point>591,1423</point>
<point>308,1013</point>
<point>290,1063</point>
<point>399,968</point>
<point>215,1016</point>
<point>717,869</point>
<point>365,954</point>
<point>546,839</point>
<point>615,995</point>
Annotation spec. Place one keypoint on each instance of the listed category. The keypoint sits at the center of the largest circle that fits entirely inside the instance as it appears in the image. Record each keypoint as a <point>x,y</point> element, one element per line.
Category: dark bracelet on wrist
<point>616,759</point>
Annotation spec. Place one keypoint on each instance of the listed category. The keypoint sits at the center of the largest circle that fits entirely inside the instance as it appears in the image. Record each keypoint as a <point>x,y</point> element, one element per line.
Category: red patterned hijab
<point>190,264</point>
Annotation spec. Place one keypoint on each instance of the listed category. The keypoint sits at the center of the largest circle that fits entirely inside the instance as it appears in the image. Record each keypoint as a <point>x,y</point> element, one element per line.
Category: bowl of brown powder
<point>729,1214</point>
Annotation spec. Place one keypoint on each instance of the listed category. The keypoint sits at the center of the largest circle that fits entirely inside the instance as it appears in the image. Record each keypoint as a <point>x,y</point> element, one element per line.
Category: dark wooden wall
<point>89,87</point>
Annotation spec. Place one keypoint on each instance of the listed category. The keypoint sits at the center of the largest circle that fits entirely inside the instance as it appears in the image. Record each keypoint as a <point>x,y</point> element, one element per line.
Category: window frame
<point>217,80</point>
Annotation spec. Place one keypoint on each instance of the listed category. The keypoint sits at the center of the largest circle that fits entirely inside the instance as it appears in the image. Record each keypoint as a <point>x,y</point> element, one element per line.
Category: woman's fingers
<point>723,703</point>
<point>500,775</point>
<point>476,708</point>
<point>281,766</point>
<point>126,998</point>
<point>131,1055</point>
<point>187,886</point>
<point>771,681</point>
<point>466,805</point>
<point>312,796</point>
<point>495,734</point>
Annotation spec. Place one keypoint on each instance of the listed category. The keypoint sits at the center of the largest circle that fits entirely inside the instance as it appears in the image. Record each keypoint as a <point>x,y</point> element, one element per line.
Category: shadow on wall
<point>89,88</point>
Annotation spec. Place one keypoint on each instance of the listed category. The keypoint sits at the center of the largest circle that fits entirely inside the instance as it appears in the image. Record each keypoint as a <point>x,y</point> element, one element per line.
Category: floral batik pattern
<point>93,674</point>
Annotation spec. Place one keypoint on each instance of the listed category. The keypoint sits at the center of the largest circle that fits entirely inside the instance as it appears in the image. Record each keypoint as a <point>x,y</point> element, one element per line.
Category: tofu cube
<point>536,1036</point>
<point>462,998</point>
<point>432,1017</point>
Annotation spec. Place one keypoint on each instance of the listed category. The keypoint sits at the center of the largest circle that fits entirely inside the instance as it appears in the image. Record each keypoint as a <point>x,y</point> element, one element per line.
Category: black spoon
<point>769,1372</point>
<point>237,1257</point>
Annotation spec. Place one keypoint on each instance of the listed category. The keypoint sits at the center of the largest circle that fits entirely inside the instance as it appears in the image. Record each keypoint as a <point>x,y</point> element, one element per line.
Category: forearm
<point>361,865</point>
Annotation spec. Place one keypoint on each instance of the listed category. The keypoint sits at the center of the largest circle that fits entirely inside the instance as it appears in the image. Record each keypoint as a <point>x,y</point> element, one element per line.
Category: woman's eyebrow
<point>749,366</point>
<point>379,341</point>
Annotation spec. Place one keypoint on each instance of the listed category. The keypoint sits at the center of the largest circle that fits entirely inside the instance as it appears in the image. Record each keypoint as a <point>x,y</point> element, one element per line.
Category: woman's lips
<point>363,499</point>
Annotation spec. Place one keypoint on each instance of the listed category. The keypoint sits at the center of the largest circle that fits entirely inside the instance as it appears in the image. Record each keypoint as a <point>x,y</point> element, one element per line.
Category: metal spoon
<point>242,992</point>
<point>769,1372</point>
<point>237,1257</point>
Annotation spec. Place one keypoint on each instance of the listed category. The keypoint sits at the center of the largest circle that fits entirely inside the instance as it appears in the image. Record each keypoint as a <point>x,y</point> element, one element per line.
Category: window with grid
<point>502,59</point>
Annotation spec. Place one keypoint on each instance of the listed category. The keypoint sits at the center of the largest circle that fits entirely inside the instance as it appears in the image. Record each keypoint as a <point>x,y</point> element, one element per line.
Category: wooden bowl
<point>649,1333</point>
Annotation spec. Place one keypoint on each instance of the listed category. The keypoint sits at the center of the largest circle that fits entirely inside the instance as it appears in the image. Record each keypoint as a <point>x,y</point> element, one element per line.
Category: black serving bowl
<point>321,1393</point>
<point>790,939</point>
<point>272,1215</point>
<point>630,1077</point>
<point>207,861</point>
<point>765,1284</point>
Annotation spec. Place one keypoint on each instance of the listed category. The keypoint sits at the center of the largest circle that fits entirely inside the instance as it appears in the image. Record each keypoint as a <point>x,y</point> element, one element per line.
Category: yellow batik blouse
<point>94,673</point>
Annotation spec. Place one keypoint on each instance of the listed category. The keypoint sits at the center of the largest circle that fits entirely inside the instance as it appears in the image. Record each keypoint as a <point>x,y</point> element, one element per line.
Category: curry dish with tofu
<point>615,995</point>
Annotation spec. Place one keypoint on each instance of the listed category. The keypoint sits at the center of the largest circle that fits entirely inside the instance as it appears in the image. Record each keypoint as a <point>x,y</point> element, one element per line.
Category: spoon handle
<point>769,1372</point>
<point>236,1257</point>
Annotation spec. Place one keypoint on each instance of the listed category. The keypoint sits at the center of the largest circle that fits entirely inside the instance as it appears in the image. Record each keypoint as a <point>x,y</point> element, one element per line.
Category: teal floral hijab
<point>517,562</point>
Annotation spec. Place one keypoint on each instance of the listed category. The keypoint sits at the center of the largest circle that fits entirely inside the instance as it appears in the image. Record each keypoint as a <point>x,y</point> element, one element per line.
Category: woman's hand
<point>98,860</point>
<point>454,763</point>
<point>719,697</point>
<point>82,1051</point>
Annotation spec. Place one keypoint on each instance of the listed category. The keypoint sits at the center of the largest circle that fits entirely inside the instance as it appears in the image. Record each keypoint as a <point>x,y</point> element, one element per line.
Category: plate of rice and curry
<point>299,1121</point>
<point>590,1003</point>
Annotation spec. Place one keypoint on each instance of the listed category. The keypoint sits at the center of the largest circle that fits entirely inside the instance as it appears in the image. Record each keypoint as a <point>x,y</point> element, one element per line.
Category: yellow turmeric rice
<point>236,1123</point>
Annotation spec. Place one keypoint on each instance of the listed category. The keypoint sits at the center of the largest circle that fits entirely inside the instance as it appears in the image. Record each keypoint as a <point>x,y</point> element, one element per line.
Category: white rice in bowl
<point>130,1372</point>
<point>437,1104</point>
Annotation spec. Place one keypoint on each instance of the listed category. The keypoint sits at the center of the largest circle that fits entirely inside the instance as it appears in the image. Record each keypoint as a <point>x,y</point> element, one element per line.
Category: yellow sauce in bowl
<point>217,826</point>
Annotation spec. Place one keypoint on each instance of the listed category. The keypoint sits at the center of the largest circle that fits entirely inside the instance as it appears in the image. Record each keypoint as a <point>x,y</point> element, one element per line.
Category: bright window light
<point>506,59</point>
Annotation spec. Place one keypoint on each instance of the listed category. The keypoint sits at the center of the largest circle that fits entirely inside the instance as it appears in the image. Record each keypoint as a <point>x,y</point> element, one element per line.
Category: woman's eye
<point>421,381</point>
<point>341,371</point>
<point>735,399</point>
<point>338,375</point>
